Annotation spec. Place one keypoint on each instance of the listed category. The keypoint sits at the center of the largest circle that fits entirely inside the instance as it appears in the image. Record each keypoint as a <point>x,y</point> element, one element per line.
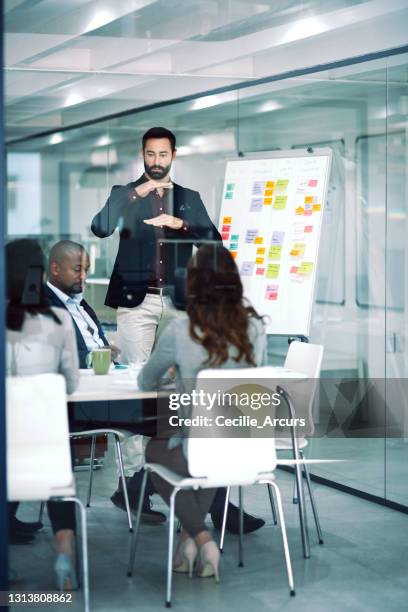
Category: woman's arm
<point>161,359</point>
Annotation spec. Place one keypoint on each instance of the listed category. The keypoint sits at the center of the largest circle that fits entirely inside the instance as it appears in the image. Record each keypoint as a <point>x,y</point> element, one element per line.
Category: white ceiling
<point>69,61</point>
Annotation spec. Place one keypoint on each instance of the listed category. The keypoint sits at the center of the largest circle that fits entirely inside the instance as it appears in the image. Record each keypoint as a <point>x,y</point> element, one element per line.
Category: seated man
<point>68,269</point>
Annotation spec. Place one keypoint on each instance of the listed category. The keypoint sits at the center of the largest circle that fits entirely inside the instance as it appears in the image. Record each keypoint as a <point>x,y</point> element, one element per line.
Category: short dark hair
<point>63,249</point>
<point>159,132</point>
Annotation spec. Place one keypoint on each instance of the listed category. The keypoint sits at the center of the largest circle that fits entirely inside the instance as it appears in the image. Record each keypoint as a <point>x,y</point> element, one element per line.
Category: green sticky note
<point>275,252</point>
<point>280,202</point>
<point>272,271</point>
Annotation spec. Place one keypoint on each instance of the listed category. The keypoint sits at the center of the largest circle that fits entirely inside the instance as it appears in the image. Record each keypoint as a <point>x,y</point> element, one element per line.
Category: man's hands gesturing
<point>165,221</point>
<point>144,189</point>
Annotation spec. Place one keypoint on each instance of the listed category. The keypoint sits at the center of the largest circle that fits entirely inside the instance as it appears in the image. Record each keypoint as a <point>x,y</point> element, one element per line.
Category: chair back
<point>306,358</point>
<point>230,454</point>
<point>38,450</point>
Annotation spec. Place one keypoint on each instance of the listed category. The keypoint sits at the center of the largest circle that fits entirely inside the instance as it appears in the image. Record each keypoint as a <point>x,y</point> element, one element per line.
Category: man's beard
<point>157,172</point>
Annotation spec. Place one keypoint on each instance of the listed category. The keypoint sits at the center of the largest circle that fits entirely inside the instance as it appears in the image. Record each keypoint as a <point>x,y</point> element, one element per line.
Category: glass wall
<point>57,183</point>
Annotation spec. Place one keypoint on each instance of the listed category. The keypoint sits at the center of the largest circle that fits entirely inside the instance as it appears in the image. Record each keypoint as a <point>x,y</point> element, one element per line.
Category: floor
<point>363,564</point>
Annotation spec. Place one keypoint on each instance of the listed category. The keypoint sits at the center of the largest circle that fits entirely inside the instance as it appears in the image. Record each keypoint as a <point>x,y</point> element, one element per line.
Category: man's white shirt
<point>84,322</point>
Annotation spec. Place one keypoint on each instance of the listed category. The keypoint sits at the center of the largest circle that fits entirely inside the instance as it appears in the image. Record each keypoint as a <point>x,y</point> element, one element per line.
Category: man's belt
<point>158,290</point>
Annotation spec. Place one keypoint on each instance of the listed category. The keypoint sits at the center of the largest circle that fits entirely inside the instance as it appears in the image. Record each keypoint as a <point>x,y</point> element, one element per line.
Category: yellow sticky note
<point>300,210</point>
<point>258,240</point>
<point>316,207</point>
<point>280,202</point>
<point>305,268</point>
<point>282,184</point>
<point>309,200</point>
<point>268,193</point>
<point>275,252</point>
<point>267,201</point>
<point>269,184</point>
<point>272,271</point>
<point>294,252</point>
<point>227,220</point>
<point>260,251</point>
<point>259,260</point>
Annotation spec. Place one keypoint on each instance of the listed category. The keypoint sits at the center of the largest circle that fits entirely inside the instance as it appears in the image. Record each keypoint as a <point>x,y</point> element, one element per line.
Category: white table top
<point>120,384</point>
<point>116,385</point>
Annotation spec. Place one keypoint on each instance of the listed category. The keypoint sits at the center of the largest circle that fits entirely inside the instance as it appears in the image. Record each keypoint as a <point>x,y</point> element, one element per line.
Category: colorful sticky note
<point>269,184</point>
<point>308,229</point>
<point>267,201</point>
<point>225,236</point>
<point>305,268</point>
<point>280,202</point>
<point>275,252</point>
<point>234,237</point>
<point>294,269</point>
<point>312,183</point>
<point>260,271</point>
<point>226,228</point>
<point>271,292</point>
<point>256,205</point>
<point>272,271</point>
<point>268,193</point>
<point>299,210</point>
<point>298,249</point>
<point>258,240</point>
<point>234,246</point>
<point>308,199</point>
<point>251,234</point>
<point>260,251</point>
<point>229,195</point>
<point>247,268</point>
<point>277,238</point>
<point>308,212</point>
<point>316,207</point>
<point>234,254</point>
<point>257,188</point>
<point>259,260</point>
<point>226,220</point>
<point>281,184</point>
<point>230,186</point>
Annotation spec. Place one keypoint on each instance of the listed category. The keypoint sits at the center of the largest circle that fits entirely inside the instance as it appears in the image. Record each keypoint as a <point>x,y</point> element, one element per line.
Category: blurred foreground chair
<point>215,461</point>
<point>38,451</point>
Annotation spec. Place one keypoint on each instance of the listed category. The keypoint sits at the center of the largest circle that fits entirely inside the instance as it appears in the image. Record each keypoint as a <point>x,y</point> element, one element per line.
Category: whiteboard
<point>270,220</point>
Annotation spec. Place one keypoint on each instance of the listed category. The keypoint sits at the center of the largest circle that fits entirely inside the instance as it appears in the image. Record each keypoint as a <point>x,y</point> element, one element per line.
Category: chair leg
<point>41,512</point>
<point>84,538</point>
<point>93,444</point>
<point>294,494</point>
<point>275,519</point>
<point>170,547</point>
<point>302,512</point>
<point>137,524</point>
<point>224,519</point>
<point>284,537</point>
<point>241,529</point>
<point>312,501</point>
<point>119,460</point>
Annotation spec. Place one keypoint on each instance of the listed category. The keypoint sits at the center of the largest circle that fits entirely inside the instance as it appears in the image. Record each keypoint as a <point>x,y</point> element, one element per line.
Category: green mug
<point>101,359</point>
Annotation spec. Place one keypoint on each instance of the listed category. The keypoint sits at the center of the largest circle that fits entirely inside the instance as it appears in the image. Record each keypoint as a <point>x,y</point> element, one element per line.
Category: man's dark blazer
<point>54,300</point>
<point>135,261</point>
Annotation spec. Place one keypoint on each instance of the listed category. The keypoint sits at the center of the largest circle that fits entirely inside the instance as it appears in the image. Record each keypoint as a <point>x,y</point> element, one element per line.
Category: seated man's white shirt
<point>84,322</point>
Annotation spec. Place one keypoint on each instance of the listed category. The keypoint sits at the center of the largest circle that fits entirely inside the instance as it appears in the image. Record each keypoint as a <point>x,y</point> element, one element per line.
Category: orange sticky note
<point>234,254</point>
<point>268,193</point>
<point>260,251</point>
<point>267,201</point>
<point>226,220</point>
<point>269,184</point>
<point>308,199</point>
<point>258,240</point>
<point>316,207</point>
<point>259,260</point>
<point>300,210</point>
